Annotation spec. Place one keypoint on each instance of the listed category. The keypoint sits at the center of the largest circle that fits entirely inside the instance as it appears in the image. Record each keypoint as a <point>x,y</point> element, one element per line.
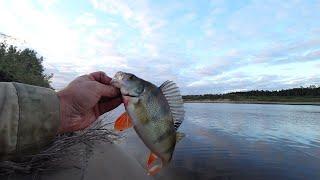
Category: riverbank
<point>253,102</point>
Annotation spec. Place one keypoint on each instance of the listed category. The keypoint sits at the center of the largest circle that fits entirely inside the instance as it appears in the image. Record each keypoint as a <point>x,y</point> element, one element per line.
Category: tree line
<point>311,91</point>
<point>23,66</point>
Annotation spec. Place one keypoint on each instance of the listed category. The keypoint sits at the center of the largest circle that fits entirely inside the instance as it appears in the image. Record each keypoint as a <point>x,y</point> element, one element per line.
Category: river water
<point>242,141</point>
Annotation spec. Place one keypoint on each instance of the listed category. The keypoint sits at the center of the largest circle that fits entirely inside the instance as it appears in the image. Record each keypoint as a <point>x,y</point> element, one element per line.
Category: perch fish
<point>154,112</point>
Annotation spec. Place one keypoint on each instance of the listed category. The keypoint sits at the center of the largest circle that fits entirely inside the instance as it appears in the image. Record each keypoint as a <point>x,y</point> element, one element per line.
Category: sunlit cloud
<point>206,47</point>
<point>87,19</point>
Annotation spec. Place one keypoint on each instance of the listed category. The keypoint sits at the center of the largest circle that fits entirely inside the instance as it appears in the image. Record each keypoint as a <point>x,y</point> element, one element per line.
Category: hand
<point>85,99</point>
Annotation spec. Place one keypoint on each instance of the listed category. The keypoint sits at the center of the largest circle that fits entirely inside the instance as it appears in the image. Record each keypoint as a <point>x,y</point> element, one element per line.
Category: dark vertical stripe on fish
<point>163,136</point>
<point>169,150</point>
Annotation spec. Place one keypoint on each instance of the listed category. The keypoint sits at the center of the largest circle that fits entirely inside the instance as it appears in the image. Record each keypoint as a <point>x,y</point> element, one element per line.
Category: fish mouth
<point>129,95</point>
<point>117,83</point>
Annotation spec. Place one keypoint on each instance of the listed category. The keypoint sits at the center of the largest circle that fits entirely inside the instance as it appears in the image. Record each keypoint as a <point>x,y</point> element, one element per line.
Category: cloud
<point>61,45</point>
<point>87,19</point>
<point>63,74</point>
<point>47,3</point>
<point>137,13</point>
<point>266,35</point>
<point>26,22</point>
<point>265,82</point>
<point>137,16</point>
<point>289,52</point>
<point>215,47</point>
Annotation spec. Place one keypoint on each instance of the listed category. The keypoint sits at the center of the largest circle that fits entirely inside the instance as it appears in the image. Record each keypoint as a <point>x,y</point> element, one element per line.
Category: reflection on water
<point>243,141</point>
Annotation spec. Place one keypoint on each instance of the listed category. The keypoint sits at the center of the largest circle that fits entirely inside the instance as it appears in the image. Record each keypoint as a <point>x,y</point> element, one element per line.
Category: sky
<point>204,46</point>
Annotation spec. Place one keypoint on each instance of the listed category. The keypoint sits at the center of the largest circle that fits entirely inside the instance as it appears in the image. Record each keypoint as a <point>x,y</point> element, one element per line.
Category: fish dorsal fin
<point>172,93</point>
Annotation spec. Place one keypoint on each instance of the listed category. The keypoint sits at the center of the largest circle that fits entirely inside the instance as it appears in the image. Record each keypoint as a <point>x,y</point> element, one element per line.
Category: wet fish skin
<point>150,113</point>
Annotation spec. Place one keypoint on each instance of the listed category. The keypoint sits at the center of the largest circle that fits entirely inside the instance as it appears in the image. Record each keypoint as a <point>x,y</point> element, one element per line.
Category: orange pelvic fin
<point>151,159</point>
<point>123,122</point>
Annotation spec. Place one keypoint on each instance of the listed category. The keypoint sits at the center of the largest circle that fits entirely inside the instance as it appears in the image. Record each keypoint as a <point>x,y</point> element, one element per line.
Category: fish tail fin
<point>154,170</point>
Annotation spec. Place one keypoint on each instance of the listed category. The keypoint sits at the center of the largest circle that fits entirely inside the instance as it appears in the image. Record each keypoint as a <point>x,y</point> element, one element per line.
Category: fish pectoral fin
<point>151,159</point>
<point>123,122</point>
<point>179,136</point>
<point>154,170</point>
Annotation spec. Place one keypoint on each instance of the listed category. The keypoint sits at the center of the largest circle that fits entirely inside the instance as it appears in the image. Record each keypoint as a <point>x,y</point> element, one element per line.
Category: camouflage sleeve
<point>29,118</point>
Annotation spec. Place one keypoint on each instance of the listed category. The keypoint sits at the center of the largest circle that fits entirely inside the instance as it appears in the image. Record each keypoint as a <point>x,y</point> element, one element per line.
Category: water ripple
<point>245,141</point>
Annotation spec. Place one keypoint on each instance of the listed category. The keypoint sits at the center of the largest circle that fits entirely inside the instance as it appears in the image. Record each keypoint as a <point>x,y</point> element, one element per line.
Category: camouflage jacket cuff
<point>32,119</point>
